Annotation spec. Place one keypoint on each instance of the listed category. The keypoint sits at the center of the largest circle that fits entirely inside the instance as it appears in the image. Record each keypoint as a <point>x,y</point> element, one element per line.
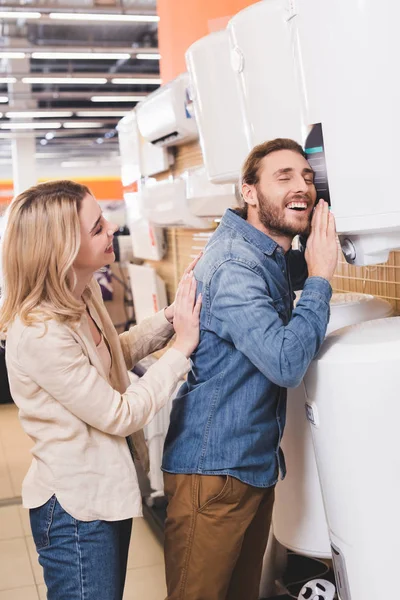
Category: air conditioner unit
<point>165,117</point>
<point>165,204</point>
<point>148,291</point>
<point>206,199</point>
<point>138,157</point>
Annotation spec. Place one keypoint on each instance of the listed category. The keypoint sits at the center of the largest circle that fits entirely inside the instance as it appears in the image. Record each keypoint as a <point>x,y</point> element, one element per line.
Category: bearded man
<point>222,455</point>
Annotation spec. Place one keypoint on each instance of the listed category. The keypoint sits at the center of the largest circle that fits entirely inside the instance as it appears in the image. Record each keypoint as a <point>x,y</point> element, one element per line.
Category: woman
<point>68,375</point>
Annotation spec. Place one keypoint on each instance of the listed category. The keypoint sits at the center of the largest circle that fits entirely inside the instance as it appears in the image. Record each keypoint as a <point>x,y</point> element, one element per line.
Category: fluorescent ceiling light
<point>12,54</point>
<point>54,114</point>
<point>79,16</point>
<point>8,80</point>
<point>149,56</point>
<point>19,15</point>
<point>3,99</point>
<point>117,98</point>
<point>65,80</point>
<point>79,163</point>
<point>49,125</point>
<point>81,55</point>
<point>101,113</point>
<point>81,124</point>
<point>136,81</point>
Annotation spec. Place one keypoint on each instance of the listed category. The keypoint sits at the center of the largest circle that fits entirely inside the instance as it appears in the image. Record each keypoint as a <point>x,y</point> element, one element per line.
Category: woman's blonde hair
<point>40,244</point>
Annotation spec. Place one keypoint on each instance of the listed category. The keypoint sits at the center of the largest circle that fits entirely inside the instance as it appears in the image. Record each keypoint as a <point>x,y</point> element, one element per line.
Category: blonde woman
<point>68,376</point>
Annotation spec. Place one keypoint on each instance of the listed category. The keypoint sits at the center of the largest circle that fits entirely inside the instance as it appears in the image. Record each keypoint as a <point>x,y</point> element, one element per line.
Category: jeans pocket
<point>211,489</point>
<point>41,519</point>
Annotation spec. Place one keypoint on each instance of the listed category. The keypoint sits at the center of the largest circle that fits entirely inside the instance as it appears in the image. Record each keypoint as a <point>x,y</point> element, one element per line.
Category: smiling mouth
<point>298,206</point>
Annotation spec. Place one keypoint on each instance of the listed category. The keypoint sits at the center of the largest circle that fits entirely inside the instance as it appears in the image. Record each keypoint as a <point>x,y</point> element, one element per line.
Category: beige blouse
<point>78,414</point>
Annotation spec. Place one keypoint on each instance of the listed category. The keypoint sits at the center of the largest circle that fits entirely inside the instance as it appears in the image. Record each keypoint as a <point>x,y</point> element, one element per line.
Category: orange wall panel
<point>182,22</point>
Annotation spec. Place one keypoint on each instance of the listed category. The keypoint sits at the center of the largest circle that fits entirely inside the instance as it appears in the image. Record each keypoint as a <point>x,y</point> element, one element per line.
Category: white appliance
<point>165,204</point>
<point>352,390</point>
<point>299,520</point>
<point>220,119</point>
<point>262,58</point>
<point>165,117</point>
<point>156,432</point>
<point>138,157</point>
<point>206,199</point>
<point>148,291</point>
<point>148,241</point>
<point>346,54</point>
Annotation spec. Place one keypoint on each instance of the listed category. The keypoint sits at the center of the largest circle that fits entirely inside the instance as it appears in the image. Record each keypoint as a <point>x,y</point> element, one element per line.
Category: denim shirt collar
<point>252,235</point>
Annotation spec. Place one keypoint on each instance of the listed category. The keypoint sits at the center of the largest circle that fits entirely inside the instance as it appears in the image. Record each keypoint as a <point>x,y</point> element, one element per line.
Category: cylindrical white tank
<point>299,520</point>
<point>219,117</point>
<point>346,52</point>
<point>262,58</point>
<point>352,390</point>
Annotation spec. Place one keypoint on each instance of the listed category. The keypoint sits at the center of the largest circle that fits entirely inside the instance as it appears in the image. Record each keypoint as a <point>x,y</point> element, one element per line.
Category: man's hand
<point>322,247</point>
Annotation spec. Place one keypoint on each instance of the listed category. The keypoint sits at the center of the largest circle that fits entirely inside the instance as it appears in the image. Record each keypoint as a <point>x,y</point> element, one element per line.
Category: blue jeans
<point>81,560</point>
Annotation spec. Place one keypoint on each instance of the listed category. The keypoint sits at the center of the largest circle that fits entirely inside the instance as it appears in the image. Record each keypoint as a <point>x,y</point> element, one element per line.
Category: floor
<point>20,573</point>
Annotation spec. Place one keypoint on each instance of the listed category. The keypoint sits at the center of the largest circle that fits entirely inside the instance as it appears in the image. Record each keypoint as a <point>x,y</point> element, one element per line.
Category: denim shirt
<point>228,418</point>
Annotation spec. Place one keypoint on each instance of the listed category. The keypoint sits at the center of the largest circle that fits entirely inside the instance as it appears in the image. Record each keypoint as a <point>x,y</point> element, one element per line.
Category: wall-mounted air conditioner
<point>206,199</point>
<point>165,117</point>
<point>148,291</point>
<point>217,106</point>
<point>165,204</point>
<point>139,157</point>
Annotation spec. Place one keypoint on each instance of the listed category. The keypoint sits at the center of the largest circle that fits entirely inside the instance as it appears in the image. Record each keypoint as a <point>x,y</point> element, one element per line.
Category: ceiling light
<point>3,99</point>
<point>136,81</point>
<point>12,54</point>
<point>31,114</point>
<point>79,16</point>
<point>49,135</point>
<point>79,163</point>
<point>19,15</point>
<point>43,142</point>
<point>43,125</point>
<point>99,140</point>
<point>65,80</point>
<point>81,124</point>
<point>148,56</point>
<point>81,55</point>
<point>101,113</point>
<point>8,80</point>
<point>117,98</point>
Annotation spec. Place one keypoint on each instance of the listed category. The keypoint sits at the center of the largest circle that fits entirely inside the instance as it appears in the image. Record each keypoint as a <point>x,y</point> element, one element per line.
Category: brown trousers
<point>216,533</point>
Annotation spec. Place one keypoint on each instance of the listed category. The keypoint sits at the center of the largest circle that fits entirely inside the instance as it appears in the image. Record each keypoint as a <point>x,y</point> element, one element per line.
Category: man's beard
<point>272,218</point>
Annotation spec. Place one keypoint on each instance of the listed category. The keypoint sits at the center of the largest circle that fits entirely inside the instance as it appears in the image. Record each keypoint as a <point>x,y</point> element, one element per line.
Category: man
<point>222,457</point>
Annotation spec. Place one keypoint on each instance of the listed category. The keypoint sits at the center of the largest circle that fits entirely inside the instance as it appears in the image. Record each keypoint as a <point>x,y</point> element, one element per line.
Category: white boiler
<point>220,120</point>
<point>352,390</point>
<point>262,58</point>
<point>299,521</point>
<point>346,55</point>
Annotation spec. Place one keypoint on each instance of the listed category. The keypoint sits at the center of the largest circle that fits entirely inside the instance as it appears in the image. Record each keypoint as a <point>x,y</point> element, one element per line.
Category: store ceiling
<point>74,101</point>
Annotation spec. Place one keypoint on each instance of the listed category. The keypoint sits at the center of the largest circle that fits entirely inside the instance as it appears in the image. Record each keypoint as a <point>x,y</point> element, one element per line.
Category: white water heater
<point>299,520</point>
<point>220,119</point>
<point>262,58</point>
<point>148,291</point>
<point>352,390</point>
<point>346,55</point>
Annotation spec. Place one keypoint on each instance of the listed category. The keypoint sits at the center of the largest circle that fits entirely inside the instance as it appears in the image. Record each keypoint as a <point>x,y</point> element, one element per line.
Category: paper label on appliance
<point>315,151</point>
